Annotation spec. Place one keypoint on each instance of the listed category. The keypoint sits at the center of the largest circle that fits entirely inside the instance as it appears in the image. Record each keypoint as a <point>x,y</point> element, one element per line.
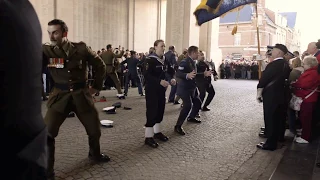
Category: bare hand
<point>93,91</point>
<point>191,75</point>
<point>207,73</point>
<point>164,83</point>
<point>173,82</point>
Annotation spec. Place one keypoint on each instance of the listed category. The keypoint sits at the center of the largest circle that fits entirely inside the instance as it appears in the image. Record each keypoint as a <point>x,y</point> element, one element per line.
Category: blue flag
<point>211,9</point>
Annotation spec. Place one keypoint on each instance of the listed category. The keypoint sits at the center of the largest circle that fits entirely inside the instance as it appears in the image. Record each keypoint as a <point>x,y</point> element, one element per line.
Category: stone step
<point>299,162</point>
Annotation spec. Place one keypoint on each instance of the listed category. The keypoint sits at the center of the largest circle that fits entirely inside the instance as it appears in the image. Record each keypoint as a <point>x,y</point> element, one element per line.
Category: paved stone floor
<point>223,146</point>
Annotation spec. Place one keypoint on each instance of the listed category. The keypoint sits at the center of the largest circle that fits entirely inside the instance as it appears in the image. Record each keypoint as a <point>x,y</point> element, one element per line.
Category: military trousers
<point>130,76</point>
<point>203,88</point>
<point>191,101</point>
<point>115,79</point>
<point>155,104</point>
<point>274,122</point>
<point>89,119</point>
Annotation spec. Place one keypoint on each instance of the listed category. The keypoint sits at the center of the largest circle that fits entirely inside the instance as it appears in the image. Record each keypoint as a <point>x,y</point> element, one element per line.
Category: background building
<point>273,28</point>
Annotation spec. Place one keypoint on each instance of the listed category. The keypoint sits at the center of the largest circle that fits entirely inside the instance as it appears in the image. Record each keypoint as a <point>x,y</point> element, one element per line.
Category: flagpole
<point>258,38</point>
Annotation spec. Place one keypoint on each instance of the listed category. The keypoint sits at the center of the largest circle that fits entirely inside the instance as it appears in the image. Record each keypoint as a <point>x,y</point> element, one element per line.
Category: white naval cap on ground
<point>110,110</point>
<point>106,123</point>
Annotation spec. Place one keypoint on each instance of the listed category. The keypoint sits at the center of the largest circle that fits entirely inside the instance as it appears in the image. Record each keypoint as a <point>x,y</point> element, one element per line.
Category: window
<point>237,39</point>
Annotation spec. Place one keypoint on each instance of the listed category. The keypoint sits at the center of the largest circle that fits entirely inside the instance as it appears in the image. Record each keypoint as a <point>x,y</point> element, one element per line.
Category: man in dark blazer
<point>171,57</point>
<point>23,132</point>
<point>271,91</point>
<point>188,90</point>
<point>132,74</point>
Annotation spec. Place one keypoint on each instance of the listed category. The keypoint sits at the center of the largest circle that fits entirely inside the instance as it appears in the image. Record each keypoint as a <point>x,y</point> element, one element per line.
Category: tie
<point>194,66</point>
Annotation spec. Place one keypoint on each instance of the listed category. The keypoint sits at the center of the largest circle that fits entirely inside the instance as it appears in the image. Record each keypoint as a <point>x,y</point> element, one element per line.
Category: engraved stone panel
<point>96,22</point>
<point>145,24</point>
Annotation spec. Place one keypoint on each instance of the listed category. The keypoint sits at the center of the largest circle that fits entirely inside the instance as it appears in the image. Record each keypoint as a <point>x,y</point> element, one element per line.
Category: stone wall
<point>102,22</point>
<point>134,24</point>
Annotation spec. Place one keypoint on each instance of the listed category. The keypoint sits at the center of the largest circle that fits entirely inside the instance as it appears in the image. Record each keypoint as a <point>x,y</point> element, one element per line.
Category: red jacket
<point>308,81</point>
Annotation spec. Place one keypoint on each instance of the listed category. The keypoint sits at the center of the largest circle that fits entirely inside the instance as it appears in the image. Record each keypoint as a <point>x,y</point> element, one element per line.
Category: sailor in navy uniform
<point>188,90</point>
<point>158,75</point>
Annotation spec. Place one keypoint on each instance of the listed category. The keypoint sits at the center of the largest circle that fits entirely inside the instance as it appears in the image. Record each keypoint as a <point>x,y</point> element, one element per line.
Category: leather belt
<point>70,87</point>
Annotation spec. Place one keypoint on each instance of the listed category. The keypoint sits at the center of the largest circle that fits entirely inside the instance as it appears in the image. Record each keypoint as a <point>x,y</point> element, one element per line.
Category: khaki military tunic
<point>68,65</point>
<point>68,68</point>
<point>109,59</point>
<point>180,58</point>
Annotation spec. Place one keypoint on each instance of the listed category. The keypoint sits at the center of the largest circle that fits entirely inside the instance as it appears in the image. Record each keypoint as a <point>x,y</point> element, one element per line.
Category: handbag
<point>295,102</point>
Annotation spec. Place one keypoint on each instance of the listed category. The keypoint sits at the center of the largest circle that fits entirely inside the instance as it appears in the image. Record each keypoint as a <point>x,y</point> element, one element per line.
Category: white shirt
<point>278,58</point>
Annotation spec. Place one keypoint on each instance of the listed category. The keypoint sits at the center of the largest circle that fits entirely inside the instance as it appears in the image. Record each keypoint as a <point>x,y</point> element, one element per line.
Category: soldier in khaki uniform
<point>182,56</point>
<point>109,59</point>
<point>67,62</point>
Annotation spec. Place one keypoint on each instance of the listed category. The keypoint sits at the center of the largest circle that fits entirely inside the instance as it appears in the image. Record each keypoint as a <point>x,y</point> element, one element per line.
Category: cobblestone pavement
<point>223,146</point>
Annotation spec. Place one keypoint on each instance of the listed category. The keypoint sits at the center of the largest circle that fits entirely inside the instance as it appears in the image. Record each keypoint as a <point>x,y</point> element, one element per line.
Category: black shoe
<point>194,120</point>
<point>176,102</point>
<point>142,94</point>
<point>151,142</point>
<point>44,98</point>
<point>205,108</point>
<point>264,146</point>
<point>179,130</point>
<point>171,101</point>
<point>101,158</point>
<point>198,116</point>
<point>262,134</point>
<point>127,108</point>
<point>125,94</point>
<point>262,128</point>
<point>161,137</point>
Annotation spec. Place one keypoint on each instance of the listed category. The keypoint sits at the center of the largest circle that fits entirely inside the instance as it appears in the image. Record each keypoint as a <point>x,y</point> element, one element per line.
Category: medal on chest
<point>56,63</point>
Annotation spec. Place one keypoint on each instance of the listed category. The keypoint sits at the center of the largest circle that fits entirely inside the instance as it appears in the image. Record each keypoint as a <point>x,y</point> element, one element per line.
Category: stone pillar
<point>163,15</point>
<point>65,10</point>
<point>131,22</point>
<point>146,24</point>
<point>45,11</point>
<point>181,29</point>
<point>209,41</point>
